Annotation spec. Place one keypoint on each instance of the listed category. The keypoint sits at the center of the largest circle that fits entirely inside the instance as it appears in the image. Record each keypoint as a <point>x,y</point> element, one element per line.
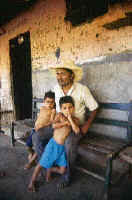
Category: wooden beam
<point>116,106</point>
<point>91,173</point>
<point>113,122</point>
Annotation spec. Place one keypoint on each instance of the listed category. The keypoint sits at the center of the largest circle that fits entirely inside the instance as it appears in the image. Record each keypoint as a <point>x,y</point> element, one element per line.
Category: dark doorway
<point>21,75</point>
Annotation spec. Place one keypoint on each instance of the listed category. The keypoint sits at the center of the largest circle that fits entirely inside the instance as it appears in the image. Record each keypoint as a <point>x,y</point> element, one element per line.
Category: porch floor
<point>83,187</point>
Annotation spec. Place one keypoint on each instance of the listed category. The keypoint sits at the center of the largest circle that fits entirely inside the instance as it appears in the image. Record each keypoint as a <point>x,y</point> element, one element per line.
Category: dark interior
<point>11,8</point>
<point>78,12</point>
<point>21,75</point>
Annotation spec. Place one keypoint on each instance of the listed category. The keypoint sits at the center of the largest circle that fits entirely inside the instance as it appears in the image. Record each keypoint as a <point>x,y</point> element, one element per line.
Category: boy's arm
<point>58,123</point>
<point>74,124</point>
<point>52,116</point>
<point>38,125</point>
<point>53,113</point>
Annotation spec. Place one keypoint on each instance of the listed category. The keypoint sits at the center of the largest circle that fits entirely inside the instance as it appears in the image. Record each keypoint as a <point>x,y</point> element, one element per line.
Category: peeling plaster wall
<point>84,44</point>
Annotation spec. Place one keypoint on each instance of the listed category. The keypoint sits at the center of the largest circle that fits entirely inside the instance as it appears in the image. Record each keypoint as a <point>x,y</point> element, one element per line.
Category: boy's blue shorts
<point>54,154</point>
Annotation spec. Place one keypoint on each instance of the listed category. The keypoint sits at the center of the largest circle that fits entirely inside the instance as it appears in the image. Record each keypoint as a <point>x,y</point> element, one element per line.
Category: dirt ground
<point>14,185</point>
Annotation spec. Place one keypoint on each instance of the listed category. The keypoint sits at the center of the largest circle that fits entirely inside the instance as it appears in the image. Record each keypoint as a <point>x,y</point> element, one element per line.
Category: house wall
<point>84,44</point>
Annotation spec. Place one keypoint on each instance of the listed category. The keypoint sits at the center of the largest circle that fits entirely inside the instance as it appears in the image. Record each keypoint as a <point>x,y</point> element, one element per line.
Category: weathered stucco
<point>109,81</point>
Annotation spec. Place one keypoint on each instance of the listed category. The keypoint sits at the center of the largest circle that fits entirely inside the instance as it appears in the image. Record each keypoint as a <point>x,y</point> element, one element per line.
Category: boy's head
<point>66,105</point>
<point>49,99</point>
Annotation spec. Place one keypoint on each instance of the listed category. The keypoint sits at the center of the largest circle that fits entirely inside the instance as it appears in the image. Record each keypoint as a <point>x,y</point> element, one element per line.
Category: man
<point>68,76</point>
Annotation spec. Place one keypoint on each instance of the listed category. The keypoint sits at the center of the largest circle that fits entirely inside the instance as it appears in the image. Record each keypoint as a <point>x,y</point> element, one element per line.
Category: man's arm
<point>85,127</point>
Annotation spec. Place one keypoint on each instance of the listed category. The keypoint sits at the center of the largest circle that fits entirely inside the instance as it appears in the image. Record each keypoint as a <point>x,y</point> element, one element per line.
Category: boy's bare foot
<point>28,166</point>
<point>48,176</point>
<point>31,187</point>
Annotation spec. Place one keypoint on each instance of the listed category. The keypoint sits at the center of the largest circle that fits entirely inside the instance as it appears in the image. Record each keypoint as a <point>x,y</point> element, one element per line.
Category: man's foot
<point>62,185</point>
<point>2,174</point>
<point>31,187</point>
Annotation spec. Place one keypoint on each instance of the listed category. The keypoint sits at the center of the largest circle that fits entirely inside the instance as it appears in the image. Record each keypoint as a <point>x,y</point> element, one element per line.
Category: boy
<point>45,118</point>
<point>54,153</point>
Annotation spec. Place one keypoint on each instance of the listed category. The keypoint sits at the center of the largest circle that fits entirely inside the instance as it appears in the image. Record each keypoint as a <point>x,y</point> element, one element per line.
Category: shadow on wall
<point>126,21</point>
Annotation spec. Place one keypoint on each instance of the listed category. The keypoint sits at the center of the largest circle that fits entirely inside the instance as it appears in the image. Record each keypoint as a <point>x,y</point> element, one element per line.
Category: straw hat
<point>78,72</point>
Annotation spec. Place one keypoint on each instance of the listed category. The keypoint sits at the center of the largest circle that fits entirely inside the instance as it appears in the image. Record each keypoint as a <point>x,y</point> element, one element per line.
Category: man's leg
<point>71,145</point>
<point>41,138</point>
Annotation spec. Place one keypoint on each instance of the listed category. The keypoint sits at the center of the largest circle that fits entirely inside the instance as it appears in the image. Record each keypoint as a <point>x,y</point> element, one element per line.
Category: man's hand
<point>85,127</point>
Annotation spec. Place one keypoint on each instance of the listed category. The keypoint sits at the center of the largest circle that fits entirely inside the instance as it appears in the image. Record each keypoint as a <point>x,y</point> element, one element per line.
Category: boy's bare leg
<point>48,175</point>
<point>59,170</point>
<point>30,164</point>
<point>31,152</point>
<point>31,186</point>
<point>30,155</point>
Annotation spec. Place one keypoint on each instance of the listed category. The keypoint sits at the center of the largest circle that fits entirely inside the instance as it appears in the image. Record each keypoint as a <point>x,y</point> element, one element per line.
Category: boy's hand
<point>69,116</point>
<point>68,123</point>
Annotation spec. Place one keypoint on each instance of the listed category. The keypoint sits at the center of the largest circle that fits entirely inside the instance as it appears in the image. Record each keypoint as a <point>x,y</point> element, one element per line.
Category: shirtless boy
<point>54,157</point>
<point>45,118</point>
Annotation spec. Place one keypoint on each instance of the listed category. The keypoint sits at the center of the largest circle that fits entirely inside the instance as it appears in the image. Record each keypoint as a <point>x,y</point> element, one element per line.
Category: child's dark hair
<point>49,94</point>
<point>66,99</point>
